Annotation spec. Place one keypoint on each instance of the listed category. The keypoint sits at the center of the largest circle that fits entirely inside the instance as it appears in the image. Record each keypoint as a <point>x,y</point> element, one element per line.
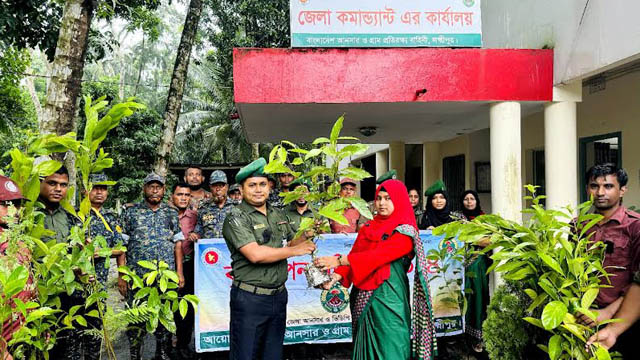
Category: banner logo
<point>335,299</point>
<point>210,256</point>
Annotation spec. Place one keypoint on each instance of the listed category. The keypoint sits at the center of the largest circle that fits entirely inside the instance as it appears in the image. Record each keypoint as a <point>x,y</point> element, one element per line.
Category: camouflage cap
<point>298,182</point>
<point>9,190</point>
<point>234,187</point>
<point>154,177</point>
<point>98,179</point>
<point>218,176</point>
<point>391,174</point>
<point>255,168</point>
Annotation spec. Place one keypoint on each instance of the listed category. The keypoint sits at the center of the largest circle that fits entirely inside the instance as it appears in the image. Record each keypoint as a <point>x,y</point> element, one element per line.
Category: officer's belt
<point>257,289</point>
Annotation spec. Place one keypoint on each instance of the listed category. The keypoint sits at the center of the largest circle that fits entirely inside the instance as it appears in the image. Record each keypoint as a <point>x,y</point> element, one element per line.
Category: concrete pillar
<point>560,154</point>
<point>431,164</point>
<point>396,158</point>
<point>506,177</point>
<point>382,162</point>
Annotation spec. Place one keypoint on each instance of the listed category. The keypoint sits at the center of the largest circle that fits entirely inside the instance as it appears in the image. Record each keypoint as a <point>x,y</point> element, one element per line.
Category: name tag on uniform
<point>258,226</point>
<point>282,222</point>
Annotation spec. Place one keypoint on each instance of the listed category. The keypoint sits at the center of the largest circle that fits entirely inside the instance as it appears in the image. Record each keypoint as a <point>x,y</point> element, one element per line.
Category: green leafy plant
<point>324,194</point>
<point>557,263</point>
<point>69,266</point>
<point>156,298</point>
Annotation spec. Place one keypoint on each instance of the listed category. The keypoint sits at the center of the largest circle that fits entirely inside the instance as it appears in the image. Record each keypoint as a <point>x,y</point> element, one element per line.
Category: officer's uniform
<point>295,217</point>
<point>152,236</point>
<point>105,223</point>
<point>70,341</point>
<point>258,295</point>
<point>210,215</point>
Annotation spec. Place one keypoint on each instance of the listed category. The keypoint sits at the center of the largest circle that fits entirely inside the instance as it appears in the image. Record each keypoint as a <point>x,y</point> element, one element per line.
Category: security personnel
<point>154,234</point>
<point>235,194</point>
<point>104,223</point>
<point>260,240</point>
<point>53,189</point>
<point>298,208</point>
<point>212,213</point>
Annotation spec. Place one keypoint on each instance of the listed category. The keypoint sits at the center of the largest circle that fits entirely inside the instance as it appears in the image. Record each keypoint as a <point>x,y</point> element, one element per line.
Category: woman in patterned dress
<point>384,324</point>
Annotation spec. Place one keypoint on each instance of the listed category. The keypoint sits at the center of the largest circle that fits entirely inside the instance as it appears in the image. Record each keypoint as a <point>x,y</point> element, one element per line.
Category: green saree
<point>478,300</point>
<point>383,330</point>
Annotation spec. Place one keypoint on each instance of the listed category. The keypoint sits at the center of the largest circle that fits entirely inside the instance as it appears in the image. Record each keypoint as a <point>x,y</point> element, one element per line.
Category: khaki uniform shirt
<point>295,217</point>
<point>244,225</point>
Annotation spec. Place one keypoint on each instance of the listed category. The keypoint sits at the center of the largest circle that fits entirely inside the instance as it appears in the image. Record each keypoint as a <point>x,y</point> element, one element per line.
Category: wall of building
<point>587,36</point>
<point>611,110</point>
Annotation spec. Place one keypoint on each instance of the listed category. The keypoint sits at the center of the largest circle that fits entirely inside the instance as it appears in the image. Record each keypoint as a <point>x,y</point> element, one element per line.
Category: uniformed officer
<point>298,208</point>
<point>235,194</point>
<point>154,234</point>
<point>53,189</point>
<point>212,213</point>
<point>260,240</point>
<point>105,223</point>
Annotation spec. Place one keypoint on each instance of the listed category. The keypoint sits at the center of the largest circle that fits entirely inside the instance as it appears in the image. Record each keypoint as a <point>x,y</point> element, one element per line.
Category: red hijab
<point>402,212</point>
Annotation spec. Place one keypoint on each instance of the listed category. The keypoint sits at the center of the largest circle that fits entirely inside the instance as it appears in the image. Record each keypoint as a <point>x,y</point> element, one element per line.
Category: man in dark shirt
<point>620,231</point>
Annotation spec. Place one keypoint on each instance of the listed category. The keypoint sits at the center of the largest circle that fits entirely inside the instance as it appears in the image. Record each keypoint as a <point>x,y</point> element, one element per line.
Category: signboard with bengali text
<point>388,23</point>
<point>313,316</point>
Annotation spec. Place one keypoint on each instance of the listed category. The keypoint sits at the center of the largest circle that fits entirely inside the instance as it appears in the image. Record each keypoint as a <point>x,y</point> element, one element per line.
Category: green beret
<point>299,181</point>
<point>391,174</point>
<point>255,168</point>
<point>437,186</point>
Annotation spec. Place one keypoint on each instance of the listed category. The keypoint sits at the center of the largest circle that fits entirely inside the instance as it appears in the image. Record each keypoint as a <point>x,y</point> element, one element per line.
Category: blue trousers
<point>257,325</point>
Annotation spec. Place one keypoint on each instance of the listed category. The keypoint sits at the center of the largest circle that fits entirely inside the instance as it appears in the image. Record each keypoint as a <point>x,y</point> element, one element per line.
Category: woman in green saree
<point>384,324</point>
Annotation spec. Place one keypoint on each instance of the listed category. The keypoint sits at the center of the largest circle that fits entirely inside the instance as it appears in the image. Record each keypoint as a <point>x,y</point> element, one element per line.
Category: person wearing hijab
<point>478,282</point>
<point>384,325</point>
<point>437,210</point>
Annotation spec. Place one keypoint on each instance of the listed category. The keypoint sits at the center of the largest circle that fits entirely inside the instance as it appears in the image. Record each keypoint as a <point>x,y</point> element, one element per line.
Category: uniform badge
<point>335,299</point>
<point>258,226</point>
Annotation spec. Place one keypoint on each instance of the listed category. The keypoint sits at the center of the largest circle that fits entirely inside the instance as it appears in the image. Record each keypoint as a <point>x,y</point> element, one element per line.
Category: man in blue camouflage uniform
<point>211,215</point>
<point>105,223</point>
<point>154,234</point>
<point>275,200</point>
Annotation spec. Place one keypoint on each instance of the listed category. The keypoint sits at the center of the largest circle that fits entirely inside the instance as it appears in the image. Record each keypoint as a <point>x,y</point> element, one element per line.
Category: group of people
<point>388,322</point>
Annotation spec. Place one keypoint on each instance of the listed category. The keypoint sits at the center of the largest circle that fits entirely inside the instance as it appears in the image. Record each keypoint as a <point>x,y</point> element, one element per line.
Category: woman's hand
<point>334,279</point>
<point>327,262</point>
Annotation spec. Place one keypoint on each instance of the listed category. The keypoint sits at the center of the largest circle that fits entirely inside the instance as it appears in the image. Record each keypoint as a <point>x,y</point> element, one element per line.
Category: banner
<point>313,316</point>
<point>385,23</point>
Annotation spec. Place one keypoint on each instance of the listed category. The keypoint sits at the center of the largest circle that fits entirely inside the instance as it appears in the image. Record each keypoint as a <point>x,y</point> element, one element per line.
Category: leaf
<point>589,297</point>
<point>321,140</point>
<point>163,284</point>
<point>602,353</point>
<point>353,149</point>
<point>147,264</point>
<point>312,153</point>
<point>551,263</point>
<point>47,167</point>
<point>354,173</point>
<point>552,314</point>
<point>335,131</point>
<point>555,348</point>
<point>534,321</point>
<point>361,206</point>
<point>531,293</point>
<point>333,215</point>
<point>184,307</point>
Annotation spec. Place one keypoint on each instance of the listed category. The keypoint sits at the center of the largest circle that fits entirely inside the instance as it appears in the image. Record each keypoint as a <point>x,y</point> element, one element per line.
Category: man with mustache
<point>154,234</point>
<point>104,223</point>
<point>619,230</point>
<point>299,208</point>
<point>53,189</point>
<point>212,213</point>
<point>260,240</point>
<point>194,177</point>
